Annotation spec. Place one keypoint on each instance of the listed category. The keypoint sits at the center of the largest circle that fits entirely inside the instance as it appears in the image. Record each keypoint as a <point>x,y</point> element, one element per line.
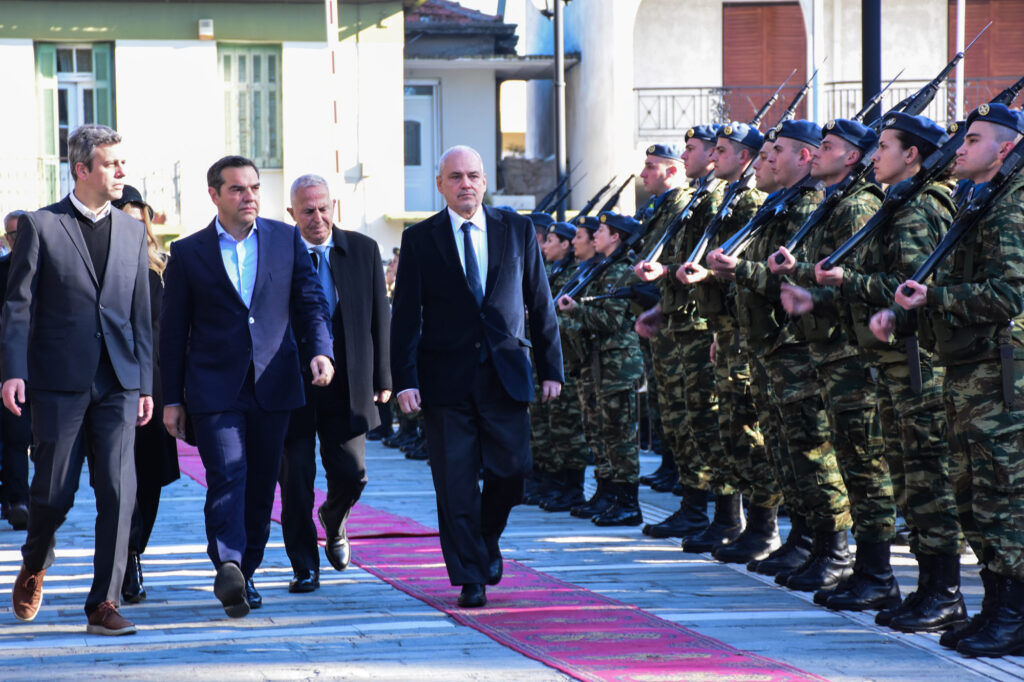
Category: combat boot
<point>942,605</point>
<point>547,485</point>
<point>625,511</point>
<point>758,539</point>
<point>791,555</point>
<point>1003,632</point>
<point>725,527</point>
<point>989,604</point>
<point>690,518</point>
<point>830,563</point>
<point>668,480</point>
<point>571,494</point>
<point>668,465</point>
<point>598,502</point>
<point>872,586</point>
<point>924,578</point>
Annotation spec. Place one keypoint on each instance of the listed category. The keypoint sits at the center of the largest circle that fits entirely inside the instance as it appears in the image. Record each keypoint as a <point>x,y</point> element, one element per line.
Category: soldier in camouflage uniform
<point>682,344</point>
<point>541,484</point>
<point>974,312</point>
<point>807,459</point>
<point>745,457</point>
<point>567,458</point>
<point>664,178</point>
<point>600,335</point>
<point>844,379</point>
<point>912,420</point>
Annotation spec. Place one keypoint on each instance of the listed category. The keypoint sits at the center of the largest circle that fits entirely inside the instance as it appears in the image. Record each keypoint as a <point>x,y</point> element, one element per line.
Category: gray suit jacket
<point>57,318</point>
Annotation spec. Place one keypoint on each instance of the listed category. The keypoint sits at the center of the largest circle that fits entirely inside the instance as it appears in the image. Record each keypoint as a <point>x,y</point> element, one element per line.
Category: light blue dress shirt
<point>241,258</point>
<point>478,235</point>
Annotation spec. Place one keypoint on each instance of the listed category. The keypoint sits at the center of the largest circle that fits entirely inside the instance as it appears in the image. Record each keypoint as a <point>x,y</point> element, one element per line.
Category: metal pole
<point>961,20</point>
<point>871,52</point>
<point>560,149</point>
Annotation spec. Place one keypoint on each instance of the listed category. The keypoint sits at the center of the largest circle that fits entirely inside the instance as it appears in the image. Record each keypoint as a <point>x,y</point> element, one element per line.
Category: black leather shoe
<point>132,591</point>
<point>379,433</point>
<point>337,550</point>
<point>251,595</point>
<point>230,588</point>
<point>472,596</point>
<point>17,516</point>
<point>495,569</point>
<point>304,581</point>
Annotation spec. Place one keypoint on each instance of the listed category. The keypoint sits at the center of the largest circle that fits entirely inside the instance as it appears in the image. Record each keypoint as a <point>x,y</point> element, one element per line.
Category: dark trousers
<point>17,436</point>
<point>488,430</point>
<point>67,428</point>
<point>241,451</point>
<point>344,458</point>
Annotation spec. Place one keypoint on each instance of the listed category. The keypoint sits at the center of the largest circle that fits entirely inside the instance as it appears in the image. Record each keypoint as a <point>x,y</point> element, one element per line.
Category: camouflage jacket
<point>676,300</point>
<point>884,262</point>
<point>762,320</point>
<point>976,302</point>
<point>599,334</point>
<point>716,298</point>
<point>822,328</point>
<point>659,214</point>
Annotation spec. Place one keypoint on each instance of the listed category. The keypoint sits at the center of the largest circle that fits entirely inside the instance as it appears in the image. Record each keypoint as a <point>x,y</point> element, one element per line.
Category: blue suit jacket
<point>437,327</point>
<point>209,339</point>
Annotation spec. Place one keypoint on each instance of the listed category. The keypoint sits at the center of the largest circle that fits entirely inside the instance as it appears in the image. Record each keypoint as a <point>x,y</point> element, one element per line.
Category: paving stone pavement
<point>357,627</point>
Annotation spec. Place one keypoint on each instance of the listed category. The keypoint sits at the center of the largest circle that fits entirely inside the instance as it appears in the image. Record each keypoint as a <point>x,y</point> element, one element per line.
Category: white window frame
<point>248,132</point>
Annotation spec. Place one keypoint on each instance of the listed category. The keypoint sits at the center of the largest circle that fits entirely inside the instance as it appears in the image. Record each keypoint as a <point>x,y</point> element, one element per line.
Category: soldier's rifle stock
<point>646,294</point>
<point>904,191</point>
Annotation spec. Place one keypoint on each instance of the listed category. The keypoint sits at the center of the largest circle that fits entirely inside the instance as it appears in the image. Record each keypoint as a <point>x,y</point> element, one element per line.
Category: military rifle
<point>763,111</point>
<point>913,105</point>
<point>705,186</point>
<point>624,251</point>
<point>736,188</point>
<point>646,294</point>
<point>554,206</point>
<point>544,205</point>
<point>783,201</point>
<point>904,191</point>
<point>589,206</point>
<point>613,200</point>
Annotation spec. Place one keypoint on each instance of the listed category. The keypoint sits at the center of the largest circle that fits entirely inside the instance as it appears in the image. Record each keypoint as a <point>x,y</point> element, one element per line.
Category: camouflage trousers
<point>988,473</point>
<point>775,448</point>
<point>744,456</point>
<point>689,408</point>
<point>540,433</point>
<point>850,405</point>
<point>569,448</point>
<point>651,406</point>
<point>804,430</point>
<point>919,457</point>
<point>609,421</point>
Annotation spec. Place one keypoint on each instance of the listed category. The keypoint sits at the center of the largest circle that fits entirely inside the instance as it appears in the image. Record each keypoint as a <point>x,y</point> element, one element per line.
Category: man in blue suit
<point>459,351</point>
<point>228,352</point>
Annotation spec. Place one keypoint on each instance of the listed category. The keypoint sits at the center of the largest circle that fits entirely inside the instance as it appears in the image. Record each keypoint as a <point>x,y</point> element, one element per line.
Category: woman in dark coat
<point>156,454</point>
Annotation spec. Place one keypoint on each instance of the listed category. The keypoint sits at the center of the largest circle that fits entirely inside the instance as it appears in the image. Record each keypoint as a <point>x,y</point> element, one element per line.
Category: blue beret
<point>854,132</point>
<point>541,219</point>
<point>563,230</point>
<point>708,133</point>
<point>587,222</point>
<point>1000,114</point>
<point>921,126</point>
<point>803,131</point>
<point>742,133</point>
<point>622,223</point>
<point>665,151</point>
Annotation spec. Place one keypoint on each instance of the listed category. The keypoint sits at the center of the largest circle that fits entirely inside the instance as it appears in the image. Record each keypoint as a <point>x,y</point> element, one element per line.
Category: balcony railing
<point>667,113</point>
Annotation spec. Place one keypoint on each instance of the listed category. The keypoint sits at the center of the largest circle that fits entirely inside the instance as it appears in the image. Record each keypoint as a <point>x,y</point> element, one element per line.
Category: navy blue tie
<point>472,268</point>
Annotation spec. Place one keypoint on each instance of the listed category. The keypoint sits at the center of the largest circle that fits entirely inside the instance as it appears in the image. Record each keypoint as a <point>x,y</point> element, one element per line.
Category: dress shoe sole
<point>101,630</point>
<point>229,588</point>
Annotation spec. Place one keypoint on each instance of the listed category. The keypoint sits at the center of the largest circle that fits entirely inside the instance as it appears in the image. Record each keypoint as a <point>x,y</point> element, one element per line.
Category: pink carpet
<point>564,626</point>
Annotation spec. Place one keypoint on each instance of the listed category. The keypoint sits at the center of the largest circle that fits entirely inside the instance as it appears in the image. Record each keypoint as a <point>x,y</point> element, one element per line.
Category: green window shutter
<point>46,92</point>
<point>102,68</point>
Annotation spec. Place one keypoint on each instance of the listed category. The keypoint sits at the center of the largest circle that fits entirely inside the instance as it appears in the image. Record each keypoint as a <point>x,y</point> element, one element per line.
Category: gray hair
<point>308,180</point>
<point>11,215</point>
<point>458,149</point>
<point>83,142</point>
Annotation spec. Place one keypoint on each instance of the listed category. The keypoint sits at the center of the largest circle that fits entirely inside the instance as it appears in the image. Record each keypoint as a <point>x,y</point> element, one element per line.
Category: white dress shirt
<point>98,215</point>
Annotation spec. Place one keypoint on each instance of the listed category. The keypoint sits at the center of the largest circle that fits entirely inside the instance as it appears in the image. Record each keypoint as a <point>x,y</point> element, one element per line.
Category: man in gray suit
<point>77,333</point>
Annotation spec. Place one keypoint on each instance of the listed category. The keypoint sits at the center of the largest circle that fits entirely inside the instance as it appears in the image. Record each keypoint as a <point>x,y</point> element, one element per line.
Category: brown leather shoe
<point>27,594</point>
<point>105,620</point>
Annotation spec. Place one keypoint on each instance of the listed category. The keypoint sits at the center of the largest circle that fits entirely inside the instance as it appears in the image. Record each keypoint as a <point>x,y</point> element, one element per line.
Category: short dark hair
<point>215,177</point>
<point>908,140</point>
